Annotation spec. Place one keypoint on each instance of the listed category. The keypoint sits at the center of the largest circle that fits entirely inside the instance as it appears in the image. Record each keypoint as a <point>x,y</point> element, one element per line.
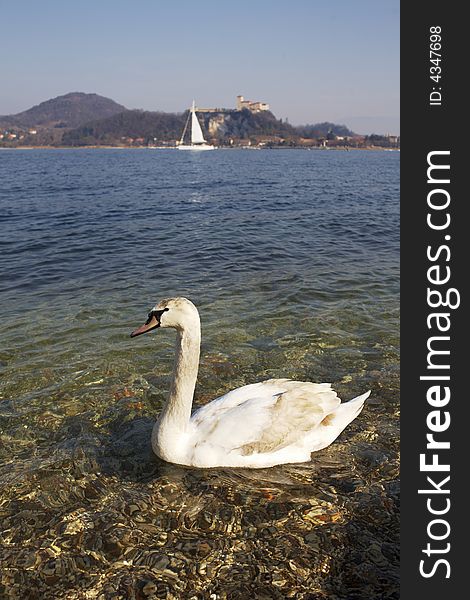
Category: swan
<point>263,424</point>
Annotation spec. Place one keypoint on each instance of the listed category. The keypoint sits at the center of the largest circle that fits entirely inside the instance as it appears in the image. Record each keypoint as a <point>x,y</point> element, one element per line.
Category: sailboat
<point>197,138</point>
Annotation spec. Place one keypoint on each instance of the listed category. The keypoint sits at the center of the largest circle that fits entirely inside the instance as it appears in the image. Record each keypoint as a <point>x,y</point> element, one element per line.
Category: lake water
<point>292,259</point>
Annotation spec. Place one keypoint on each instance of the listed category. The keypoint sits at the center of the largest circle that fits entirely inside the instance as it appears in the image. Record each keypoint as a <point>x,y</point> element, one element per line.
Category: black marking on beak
<point>157,314</point>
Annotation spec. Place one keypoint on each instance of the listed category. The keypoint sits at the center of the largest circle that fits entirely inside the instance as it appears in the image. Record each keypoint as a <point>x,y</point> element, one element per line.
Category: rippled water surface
<point>292,258</point>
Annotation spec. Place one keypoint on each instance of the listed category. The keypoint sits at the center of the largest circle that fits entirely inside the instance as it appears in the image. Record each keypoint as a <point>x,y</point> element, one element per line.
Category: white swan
<point>259,425</point>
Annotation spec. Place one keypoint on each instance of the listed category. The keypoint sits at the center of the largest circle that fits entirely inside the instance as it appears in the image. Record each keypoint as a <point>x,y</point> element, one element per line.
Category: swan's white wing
<point>238,396</point>
<point>264,417</point>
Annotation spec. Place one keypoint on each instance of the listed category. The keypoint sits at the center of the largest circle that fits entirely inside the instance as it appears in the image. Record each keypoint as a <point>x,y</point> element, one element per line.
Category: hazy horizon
<point>311,61</point>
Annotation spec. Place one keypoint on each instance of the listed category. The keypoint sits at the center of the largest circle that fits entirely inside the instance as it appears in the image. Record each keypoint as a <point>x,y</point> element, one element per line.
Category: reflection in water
<point>87,511</point>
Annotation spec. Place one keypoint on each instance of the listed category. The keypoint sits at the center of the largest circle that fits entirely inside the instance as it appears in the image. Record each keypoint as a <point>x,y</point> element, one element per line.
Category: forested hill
<point>322,130</point>
<point>71,110</point>
<point>220,127</point>
<point>134,124</point>
<point>79,119</point>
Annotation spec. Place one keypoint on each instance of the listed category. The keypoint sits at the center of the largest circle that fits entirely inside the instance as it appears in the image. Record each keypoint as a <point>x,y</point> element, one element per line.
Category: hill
<point>146,126</point>
<point>133,124</point>
<point>79,119</point>
<point>323,130</point>
<point>71,110</point>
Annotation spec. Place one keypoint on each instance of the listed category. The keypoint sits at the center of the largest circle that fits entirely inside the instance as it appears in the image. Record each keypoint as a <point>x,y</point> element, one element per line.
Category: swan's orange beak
<point>151,323</point>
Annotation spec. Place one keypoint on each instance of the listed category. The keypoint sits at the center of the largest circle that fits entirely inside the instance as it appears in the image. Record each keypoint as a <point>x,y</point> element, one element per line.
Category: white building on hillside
<point>253,106</point>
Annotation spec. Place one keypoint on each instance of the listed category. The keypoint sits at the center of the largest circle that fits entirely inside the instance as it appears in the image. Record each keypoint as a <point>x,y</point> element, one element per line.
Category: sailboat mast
<point>185,127</point>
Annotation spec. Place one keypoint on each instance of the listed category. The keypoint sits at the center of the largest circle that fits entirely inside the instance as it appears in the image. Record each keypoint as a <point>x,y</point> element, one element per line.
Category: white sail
<point>197,138</point>
<point>196,131</point>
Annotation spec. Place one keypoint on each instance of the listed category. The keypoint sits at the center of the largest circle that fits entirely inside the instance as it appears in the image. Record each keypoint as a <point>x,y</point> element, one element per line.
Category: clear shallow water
<point>292,258</point>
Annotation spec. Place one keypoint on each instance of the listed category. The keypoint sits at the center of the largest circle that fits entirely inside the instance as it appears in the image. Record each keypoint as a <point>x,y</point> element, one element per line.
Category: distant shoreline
<point>340,148</point>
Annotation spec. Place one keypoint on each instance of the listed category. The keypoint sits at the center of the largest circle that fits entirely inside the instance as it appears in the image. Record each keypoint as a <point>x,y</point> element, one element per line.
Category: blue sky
<point>312,60</point>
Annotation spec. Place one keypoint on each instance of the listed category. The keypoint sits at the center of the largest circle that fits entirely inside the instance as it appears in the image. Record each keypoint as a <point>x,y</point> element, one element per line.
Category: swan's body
<point>259,425</point>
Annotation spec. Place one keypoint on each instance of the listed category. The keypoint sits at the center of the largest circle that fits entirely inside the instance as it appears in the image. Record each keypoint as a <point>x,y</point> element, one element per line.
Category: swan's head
<point>179,313</point>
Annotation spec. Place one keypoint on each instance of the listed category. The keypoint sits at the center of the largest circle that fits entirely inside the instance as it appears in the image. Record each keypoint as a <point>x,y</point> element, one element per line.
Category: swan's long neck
<point>177,411</point>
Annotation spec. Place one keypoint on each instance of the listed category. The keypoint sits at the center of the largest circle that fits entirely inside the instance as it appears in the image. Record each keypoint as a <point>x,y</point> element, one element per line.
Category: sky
<point>311,60</point>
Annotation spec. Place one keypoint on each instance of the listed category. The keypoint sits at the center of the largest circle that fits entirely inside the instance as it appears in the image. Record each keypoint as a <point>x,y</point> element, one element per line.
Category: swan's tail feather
<point>348,411</point>
<point>334,423</point>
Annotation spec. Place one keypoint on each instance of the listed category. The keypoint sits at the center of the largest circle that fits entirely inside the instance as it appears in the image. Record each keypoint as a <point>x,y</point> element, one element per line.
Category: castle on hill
<point>252,106</point>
